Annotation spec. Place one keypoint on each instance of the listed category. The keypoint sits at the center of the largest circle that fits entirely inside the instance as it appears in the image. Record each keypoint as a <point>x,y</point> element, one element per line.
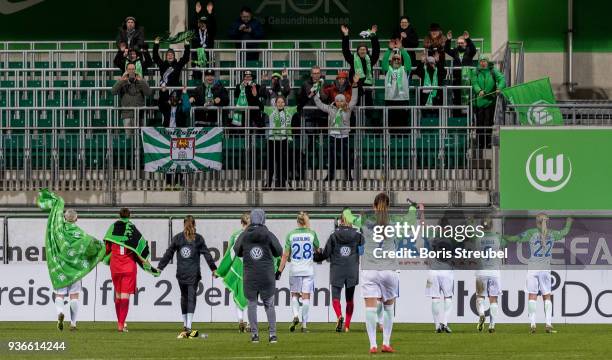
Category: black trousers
<point>485,116</point>
<point>398,117</point>
<point>278,162</point>
<point>188,297</point>
<point>349,293</point>
<point>338,152</point>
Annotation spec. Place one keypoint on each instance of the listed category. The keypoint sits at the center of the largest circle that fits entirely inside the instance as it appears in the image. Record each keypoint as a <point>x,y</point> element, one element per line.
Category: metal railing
<point>438,154</point>
<point>573,113</point>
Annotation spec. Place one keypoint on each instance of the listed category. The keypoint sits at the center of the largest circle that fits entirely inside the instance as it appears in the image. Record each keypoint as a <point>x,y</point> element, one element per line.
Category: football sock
<point>379,312</point>
<point>74,309</point>
<point>59,305</point>
<point>493,314</point>
<point>371,318</point>
<point>124,306</point>
<point>239,314</point>
<point>337,307</point>
<point>117,309</point>
<point>295,306</point>
<point>189,320</point>
<point>480,306</point>
<point>184,320</point>
<point>531,310</point>
<point>448,306</point>
<point>305,308</point>
<point>548,312</point>
<point>387,324</point>
<point>435,311</point>
<point>349,313</point>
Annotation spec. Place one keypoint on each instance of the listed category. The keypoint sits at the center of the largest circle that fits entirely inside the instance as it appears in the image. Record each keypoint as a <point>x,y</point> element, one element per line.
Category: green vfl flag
<point>539,95</point>
<point>71,252</point>
<point>182,150</point>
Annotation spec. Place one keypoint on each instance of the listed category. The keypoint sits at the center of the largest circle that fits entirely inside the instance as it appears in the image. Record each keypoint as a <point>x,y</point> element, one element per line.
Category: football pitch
<point>411,341</point>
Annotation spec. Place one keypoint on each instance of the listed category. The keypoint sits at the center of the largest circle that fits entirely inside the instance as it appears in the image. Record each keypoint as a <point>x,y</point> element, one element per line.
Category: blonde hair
<point>245,219</point>
<point>542,223</point>
<point>189,228</point>
<point>381,207</point>
<point>303,219</point>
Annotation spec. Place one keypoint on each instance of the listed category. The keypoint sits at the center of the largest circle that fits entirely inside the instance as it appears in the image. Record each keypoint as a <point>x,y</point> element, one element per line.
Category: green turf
<point>412,341</point>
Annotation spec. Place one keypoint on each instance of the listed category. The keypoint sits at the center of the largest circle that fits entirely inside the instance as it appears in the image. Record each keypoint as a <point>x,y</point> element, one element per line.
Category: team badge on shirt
<point>256,253</point>
<point>345,251</point>
<point>186,252</point>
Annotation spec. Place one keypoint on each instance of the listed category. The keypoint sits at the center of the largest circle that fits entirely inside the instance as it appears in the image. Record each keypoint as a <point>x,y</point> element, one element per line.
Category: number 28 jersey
<point>301,244</point>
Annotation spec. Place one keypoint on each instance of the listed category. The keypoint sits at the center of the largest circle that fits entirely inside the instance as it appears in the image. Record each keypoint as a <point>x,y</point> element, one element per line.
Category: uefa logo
<point>186,252</point>
<point>345,251</point>
<point>256,253</point>
<point>550,175</point>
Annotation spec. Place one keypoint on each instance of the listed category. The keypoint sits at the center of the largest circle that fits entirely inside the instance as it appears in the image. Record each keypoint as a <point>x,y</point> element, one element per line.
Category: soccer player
<point>541,240</point>
<point>125,247</point>
<point>301,244</point>
<point>259,248</point>
<point>230,270</point>
<point>70,252</point>
<point>342,249</point>
<point>189,245</point>
<point>440,286</point>
<point>488,275</point>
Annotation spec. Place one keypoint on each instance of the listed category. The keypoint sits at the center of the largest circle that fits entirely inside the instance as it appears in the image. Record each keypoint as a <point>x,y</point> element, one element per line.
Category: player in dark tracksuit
<point>342,249</point>
<point>189,246</point>
<point>259,249</point>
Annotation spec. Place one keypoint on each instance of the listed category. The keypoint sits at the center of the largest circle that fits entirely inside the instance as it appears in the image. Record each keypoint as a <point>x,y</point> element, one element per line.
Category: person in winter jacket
<point>170,69</point>
<point>132,91</point>
<point>246,93</point>
<point>431,71</point>
<point>340,86</point>
<point>188,245</point>
<point>131,34</point>
<point>247,28</point>
<point>339,123</point>
<point>342,249</point>
<point>205,28</point>
<point>397,82</point>
<point>462,55</point>
<point>175,108</point>
<point>311,86</point>
<point>434,43</point>
<point>408,36</point>
<point>141,59</point>
<point>280,142</point>
<point>210,93</point>
<point>487,81</point>
<point>362,62</point>
<point>259,249</point>
<point>279,86</point>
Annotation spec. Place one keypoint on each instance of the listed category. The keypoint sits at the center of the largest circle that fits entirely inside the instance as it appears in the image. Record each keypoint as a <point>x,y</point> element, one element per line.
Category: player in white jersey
<point>300,247</point>
<point>488,275</point>
<point>380,285</point>
<point>440,286</point>
<point>541,241</point>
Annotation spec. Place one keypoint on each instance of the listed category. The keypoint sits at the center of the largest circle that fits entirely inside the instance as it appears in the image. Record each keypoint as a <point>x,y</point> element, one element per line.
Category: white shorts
<point>301,284</point>
<point>71,289</point>
<point>383,284</point>
<point>440,285</point>
<point>539,282</point>
<point>488,286</point>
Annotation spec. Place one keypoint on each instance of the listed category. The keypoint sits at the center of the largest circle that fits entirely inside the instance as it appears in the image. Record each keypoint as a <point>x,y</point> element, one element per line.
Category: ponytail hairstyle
<point>542,223</point>
<point>381,207</point>
<point>190,231</point>
<point>303,219</point>
<point>245,219</point>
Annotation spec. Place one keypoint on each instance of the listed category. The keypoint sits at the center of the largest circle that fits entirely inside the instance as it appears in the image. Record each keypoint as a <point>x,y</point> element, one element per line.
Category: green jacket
<point>487,80</point>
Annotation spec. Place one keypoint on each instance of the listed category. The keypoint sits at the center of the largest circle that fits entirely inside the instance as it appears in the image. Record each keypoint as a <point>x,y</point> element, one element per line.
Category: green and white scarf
<point>429,82</point>
<point>71,252</point>
<point>124,233</point>
<point>202,58</point>
<point>242,102</point>
<point>208,93</point>
<point>466,75</point>
<point>359,68</point>
<point>280,123</point>
<point>400,91</point>
<point>339,119</point>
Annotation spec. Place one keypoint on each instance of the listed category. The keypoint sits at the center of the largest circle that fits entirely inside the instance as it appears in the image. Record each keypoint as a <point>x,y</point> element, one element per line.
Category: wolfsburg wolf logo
<point>549,176</point>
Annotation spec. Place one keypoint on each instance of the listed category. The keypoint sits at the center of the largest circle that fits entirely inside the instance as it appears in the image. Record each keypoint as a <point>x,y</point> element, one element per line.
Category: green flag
<point>71,253</point>
<point>538,94</point>
<point>182,150</point>
<point>230,270</point>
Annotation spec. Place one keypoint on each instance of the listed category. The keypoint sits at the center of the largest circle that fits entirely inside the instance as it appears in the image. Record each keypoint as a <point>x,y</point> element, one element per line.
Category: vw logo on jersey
<point>256,253</point>
<point>186,252</point>
<point>345,251</point>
